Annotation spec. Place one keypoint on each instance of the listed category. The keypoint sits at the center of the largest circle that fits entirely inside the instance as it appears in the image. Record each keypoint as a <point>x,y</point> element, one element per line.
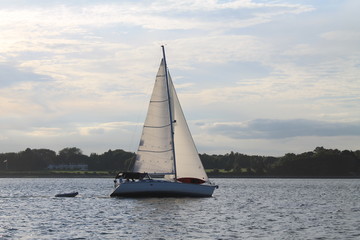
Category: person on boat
<point>118,179</point>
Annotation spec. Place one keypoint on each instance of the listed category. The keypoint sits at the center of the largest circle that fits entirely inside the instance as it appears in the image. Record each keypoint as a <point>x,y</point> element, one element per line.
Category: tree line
<point>319,162</point>
<point>40,159</point>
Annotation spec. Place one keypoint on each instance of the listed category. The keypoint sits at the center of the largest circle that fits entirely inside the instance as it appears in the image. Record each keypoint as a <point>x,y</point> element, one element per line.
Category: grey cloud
<point>276,129</point>
<point>97,131</point>
<point>10,75</point>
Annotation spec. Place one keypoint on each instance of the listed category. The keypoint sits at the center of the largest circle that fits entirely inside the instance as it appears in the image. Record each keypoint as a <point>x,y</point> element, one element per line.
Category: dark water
<point>240,209</point>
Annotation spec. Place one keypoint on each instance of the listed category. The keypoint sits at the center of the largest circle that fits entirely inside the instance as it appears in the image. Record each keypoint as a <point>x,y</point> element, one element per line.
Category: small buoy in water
<point>72,194</point>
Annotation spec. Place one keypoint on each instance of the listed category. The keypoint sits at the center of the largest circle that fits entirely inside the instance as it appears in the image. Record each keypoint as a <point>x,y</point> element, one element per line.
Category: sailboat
<point>167,162</point>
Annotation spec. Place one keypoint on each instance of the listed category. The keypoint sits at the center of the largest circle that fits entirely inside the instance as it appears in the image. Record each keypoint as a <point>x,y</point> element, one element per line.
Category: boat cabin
<point>132,176</point>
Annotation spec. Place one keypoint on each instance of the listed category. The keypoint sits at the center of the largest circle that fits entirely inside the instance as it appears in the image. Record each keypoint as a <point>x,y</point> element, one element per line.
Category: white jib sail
<point>188,163</point>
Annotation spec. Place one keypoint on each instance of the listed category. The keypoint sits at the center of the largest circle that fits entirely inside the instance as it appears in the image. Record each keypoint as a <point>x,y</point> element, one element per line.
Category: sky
<point>259,77</point>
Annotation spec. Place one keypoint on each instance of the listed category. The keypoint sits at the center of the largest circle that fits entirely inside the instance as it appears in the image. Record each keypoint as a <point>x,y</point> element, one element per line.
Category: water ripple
<point>240,209</point>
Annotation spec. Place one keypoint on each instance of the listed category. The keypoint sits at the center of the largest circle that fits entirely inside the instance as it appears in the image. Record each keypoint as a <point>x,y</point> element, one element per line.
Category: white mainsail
<point>156,150</point>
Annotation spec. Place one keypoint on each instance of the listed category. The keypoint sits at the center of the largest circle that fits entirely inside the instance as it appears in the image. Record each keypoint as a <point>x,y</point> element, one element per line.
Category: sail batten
<point>157,126</point>
<point>160,101</point>
<point>155,151</point>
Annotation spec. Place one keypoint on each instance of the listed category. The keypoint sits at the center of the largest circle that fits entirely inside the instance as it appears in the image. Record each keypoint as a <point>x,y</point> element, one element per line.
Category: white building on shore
<point>82,167</point>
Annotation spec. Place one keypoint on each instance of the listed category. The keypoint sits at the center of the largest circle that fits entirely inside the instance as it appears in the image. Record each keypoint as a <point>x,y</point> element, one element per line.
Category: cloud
<point>341,36</point>
<point>76,69</point>
<point>90,137</point>
<point>102,128</point>
<point>47,132</point>
<point>56,20</point>
<point>9,75</point>
<point>81,129</point>
<point>277,129</point>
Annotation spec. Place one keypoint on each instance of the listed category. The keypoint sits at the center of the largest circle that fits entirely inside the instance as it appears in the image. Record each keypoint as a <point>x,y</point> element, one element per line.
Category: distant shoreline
<point>41,174</point>
<point>286,177</point>
<point>56,174</point>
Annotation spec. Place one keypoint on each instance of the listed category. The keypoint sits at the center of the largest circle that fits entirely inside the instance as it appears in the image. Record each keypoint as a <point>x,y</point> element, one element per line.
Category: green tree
<point>71,155</point>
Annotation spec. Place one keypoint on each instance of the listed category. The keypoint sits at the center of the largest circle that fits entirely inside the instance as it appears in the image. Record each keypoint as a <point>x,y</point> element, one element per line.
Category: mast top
<point>163,51</point>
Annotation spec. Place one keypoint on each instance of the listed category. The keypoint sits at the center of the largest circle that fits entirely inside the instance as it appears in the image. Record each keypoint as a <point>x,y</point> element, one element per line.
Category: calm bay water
<point>239,209</point>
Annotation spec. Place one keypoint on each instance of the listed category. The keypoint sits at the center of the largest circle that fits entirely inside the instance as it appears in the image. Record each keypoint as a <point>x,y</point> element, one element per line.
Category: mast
<point>170,110</point>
